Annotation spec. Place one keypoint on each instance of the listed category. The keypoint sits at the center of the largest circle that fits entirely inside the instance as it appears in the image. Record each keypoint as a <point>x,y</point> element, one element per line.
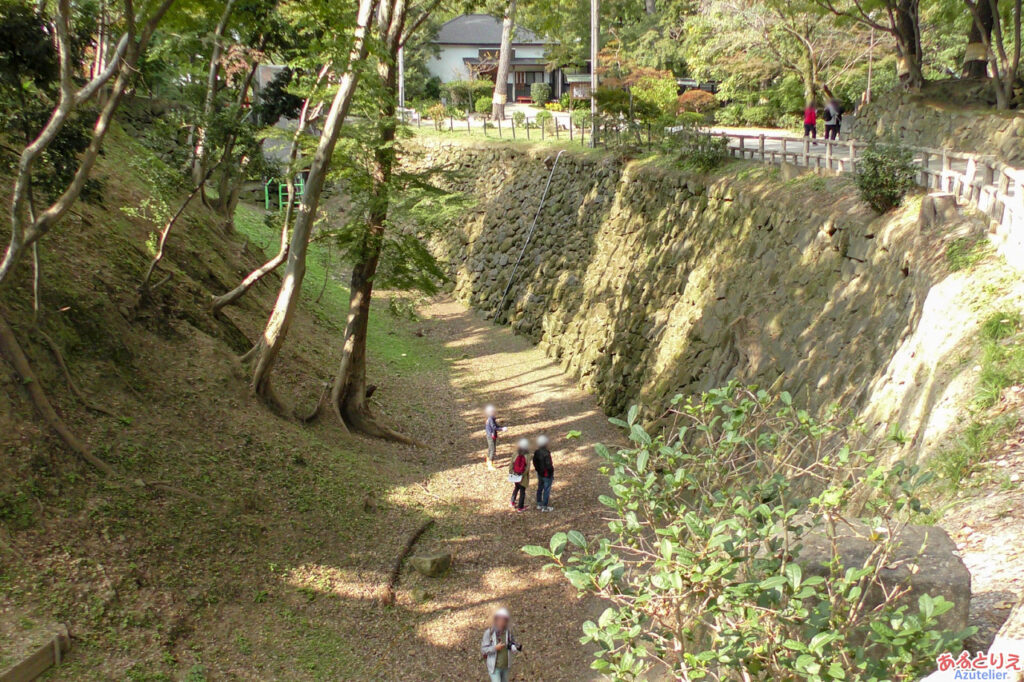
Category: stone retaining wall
<point>644,281</point>
<point>921,121</point>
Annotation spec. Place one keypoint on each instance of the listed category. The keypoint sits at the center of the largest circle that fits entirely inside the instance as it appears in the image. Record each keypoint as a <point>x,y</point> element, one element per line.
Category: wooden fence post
<point>499,127</point>
<point>853,157</point>
<point>807,152</point>
<point>760,146</point>
<point>828,155</point>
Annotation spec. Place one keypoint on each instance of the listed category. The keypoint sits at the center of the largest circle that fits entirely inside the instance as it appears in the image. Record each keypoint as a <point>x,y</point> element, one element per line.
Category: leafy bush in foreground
<point>701,567</point>
<point>885,173</point>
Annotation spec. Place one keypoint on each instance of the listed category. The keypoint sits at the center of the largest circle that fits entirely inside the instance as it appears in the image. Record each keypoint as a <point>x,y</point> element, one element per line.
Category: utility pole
<point>595,10</point>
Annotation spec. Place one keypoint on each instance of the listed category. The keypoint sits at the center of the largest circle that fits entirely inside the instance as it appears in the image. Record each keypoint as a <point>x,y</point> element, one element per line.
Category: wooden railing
<point>982,182</point>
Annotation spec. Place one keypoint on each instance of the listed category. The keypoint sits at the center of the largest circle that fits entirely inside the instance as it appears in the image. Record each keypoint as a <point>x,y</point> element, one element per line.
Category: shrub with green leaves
<point>581,118</point>
<point>437,113</point>
<point>885,173</point>
<point>540,93</point>
<point>654,95</point>
<point>483,105</point>
<point>693,147</point>
<point>464,94</point>
<point>701,563</point>
<point>730,115</point>
<point>518,119</point>
<point>545,120</point>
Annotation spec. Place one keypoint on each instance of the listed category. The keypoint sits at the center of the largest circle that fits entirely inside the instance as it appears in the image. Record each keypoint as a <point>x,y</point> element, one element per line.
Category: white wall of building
<point>448,65</point>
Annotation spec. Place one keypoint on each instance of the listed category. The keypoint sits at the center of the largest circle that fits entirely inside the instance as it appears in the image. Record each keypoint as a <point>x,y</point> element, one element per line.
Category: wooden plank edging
<point>46,656</point>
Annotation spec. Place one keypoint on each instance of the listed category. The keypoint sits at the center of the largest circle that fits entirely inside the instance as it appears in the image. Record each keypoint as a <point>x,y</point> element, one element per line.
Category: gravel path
<point>532,396</point>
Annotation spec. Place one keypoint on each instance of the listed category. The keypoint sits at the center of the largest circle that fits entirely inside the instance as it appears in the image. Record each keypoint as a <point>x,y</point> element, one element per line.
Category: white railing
<point>982,182</point>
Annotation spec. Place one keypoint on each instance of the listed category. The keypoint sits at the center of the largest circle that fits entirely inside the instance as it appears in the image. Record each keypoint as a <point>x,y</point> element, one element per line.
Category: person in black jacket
<point>545,473</point>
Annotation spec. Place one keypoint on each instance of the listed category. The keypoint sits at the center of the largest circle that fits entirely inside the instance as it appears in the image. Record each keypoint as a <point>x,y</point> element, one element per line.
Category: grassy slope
<point>157,585</point>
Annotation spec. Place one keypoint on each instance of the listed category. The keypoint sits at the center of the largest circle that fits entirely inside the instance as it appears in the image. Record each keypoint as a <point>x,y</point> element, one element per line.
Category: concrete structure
<point>468,48</point>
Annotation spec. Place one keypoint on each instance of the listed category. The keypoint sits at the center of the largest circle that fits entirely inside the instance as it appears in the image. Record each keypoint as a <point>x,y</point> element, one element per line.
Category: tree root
<point>11,349</point>
<point>59,357</point>
<point>388,595</point>
<point>367,425</point>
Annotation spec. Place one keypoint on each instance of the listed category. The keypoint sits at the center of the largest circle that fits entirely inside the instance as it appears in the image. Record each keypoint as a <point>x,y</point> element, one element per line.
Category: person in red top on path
<point>811,121</point>
<point>519,474</point>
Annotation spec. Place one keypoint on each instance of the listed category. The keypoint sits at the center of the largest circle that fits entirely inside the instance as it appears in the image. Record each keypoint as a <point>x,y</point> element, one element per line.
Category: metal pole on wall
<point>871,60</point>
<point>595,10</point>
<point>401,77</point>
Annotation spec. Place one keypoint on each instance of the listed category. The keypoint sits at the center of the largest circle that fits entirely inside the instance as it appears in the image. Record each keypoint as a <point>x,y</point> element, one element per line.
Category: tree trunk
<point>232,175</point>
<point>122,63</point>
<point>908,44</point>
<point>199,154</point>
<point>504,61</point>
<point>293,154</point>
<point>11,350</point>
<point>979,37</point>
<point>809,77</point>
<point>280,319</point>
<point>348,393</point>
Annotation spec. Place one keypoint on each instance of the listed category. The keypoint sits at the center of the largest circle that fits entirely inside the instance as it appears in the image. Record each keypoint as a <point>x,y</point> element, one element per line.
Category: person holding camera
<point>498,645</point>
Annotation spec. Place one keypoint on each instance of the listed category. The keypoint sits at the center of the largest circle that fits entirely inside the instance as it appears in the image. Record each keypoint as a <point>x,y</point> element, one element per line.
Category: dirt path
<point>532,395</point>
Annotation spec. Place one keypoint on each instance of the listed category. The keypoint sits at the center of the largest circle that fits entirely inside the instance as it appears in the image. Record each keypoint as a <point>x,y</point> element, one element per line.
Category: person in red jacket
<point>811,121</point>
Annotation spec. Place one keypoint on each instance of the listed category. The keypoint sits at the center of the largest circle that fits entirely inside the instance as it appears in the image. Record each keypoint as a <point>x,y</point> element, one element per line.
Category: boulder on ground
<point>432,565</point>
<point>937,208</point>
<point>925,559</point>
<point>790,171</point>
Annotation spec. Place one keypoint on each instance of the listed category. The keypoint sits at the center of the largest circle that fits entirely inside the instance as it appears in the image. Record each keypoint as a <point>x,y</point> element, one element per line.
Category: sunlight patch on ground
<point>333,580</point>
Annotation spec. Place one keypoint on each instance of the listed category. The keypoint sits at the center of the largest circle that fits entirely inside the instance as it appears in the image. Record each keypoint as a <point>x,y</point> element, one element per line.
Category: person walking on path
<point>833,119</point>
<point>811,121</point>
<point>492,428</point>
<point>519,474</point>
<point>498,645</point>
<point>545,473</point>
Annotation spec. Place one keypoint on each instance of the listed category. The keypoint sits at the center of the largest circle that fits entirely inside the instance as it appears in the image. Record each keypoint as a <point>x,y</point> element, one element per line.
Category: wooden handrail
<point>987,184</point>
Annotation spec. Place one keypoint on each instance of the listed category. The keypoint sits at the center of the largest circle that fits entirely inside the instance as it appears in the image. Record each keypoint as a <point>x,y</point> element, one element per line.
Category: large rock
<point>432,565</point>
<point>925,559</point>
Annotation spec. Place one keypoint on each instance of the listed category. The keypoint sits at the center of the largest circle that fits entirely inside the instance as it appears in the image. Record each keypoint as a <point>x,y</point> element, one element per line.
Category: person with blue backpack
<point>519,474</point>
